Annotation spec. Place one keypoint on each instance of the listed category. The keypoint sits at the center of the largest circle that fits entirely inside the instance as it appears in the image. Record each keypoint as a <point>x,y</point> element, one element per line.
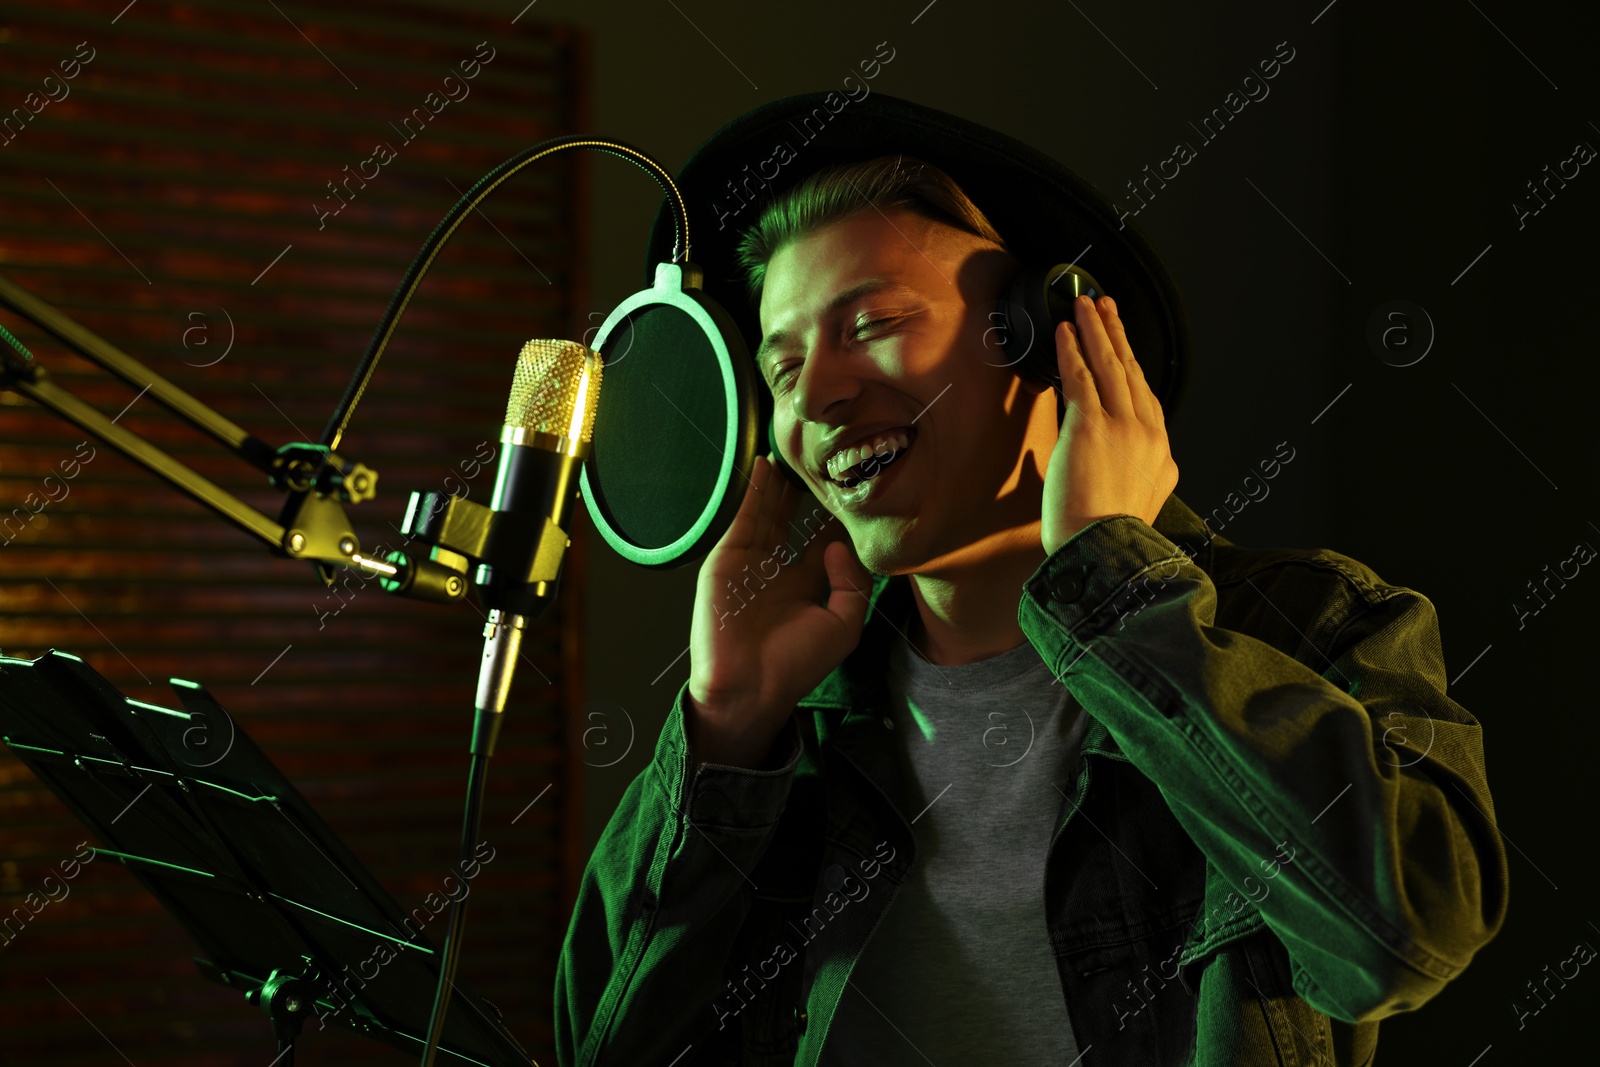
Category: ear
<point>1032,386</point>
<point>1032,391</point>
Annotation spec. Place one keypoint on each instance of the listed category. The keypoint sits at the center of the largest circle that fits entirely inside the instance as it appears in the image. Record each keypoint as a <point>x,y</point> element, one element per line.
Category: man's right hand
<point>759,645</point>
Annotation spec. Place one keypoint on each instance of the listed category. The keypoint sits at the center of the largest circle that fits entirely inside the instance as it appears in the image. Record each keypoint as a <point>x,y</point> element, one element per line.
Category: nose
<point>826,379</point>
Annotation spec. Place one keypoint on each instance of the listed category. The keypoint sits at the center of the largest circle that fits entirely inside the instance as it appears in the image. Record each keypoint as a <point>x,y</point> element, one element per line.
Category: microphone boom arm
<point>38,387</point>
<point>312,524</point>
<point>98,350</point>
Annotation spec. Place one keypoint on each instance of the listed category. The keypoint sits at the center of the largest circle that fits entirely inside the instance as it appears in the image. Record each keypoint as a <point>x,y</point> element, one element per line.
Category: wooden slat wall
<point>166,202</point>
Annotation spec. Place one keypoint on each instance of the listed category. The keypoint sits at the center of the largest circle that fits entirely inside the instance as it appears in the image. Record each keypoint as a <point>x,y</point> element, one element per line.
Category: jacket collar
<point>850,703</point>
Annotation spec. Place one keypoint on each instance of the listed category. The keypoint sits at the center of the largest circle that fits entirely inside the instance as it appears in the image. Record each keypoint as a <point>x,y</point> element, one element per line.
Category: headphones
<point>1025,319</point>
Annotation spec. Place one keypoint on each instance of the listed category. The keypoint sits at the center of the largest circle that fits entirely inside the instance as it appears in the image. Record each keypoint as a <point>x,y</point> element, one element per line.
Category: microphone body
<point>535,491</point>
<point>548,433</point>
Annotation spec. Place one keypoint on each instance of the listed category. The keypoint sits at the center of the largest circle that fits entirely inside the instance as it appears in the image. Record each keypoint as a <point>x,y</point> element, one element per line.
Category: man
<point>1230,815</point>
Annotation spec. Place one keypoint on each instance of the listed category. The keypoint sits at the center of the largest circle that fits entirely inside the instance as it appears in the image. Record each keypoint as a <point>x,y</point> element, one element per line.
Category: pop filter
<point>676,432</point>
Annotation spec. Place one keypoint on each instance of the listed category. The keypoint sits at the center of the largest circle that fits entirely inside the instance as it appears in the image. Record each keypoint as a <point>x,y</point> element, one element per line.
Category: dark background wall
<point>1383,162</point>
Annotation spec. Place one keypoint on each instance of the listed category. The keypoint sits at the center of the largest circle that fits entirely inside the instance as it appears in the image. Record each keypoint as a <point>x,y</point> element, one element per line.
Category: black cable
<point>477,776</point>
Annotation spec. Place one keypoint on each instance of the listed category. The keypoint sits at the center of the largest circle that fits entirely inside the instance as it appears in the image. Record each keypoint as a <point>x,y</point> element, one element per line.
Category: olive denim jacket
<point>1280,830</point>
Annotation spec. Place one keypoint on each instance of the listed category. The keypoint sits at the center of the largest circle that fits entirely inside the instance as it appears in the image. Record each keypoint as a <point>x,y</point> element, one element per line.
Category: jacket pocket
<point>1299,1032</point>
<point>764,980</point>
<point>1248,1012</point>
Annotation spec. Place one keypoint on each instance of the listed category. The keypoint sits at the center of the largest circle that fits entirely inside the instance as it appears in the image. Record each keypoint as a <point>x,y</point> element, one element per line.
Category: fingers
<point>1098,368</point>
<point>1112,322</point>
<point>1077,381</point>
<point>1094,349</point>
<point>741,532</point>
<point>850,585</point>
<point>774,489</point>
<point>818,529</point>
<point>1145,404</point>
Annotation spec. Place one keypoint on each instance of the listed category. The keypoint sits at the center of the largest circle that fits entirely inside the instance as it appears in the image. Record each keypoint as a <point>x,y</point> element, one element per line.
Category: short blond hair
<point>838,192</point>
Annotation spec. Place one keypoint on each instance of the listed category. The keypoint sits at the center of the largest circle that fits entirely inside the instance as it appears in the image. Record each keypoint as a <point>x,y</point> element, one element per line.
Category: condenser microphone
<point>517,544</point>
<point>548,430</point>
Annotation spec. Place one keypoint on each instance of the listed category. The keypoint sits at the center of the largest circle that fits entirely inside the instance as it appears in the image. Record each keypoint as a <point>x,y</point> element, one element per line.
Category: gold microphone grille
<point>553,380</point>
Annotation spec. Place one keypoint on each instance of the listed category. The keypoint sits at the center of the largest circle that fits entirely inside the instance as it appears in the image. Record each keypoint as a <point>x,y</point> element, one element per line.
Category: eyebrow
<point>774,341</point>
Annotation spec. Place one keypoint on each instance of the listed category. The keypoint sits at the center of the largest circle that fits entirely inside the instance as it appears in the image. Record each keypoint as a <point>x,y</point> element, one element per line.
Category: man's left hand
<point>1112,456</point>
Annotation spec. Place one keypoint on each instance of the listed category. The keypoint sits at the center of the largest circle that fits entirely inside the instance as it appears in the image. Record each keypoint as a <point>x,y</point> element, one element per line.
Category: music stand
<point>282,909</point>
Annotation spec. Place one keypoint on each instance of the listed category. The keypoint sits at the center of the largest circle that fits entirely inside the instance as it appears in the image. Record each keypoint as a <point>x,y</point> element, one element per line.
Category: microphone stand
<point>502,644</point>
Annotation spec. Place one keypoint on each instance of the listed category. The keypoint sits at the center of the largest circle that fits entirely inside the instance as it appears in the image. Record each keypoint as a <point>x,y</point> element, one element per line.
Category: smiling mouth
<point>870,467</point>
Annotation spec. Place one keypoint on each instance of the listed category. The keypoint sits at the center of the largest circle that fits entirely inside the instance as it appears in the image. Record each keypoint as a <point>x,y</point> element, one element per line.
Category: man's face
<point>969,483</point>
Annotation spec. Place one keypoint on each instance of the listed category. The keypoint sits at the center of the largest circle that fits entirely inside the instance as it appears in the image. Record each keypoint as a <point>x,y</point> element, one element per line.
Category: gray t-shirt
<point>960,969</point>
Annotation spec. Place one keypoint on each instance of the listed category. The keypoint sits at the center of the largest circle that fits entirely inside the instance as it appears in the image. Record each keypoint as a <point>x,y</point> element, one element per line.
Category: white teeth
<point>882,444</point>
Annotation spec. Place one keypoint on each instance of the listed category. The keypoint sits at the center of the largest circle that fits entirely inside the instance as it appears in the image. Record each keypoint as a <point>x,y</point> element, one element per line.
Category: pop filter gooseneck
<point>340,420</point>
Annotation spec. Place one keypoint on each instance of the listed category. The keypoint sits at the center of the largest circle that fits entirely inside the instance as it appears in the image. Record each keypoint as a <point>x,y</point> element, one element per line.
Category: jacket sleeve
<point>661,902</point>
<point>1362,772</point>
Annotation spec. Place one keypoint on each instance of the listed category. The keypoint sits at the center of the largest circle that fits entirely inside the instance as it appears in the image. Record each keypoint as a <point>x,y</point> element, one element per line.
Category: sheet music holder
<point>283,911</point>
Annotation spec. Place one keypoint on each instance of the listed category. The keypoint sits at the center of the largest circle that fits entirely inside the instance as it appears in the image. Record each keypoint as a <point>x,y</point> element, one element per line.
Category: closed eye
<point>781,372</point>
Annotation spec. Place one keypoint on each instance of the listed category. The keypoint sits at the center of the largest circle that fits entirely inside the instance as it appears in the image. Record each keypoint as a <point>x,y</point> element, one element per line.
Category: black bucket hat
<point>1046,213</point>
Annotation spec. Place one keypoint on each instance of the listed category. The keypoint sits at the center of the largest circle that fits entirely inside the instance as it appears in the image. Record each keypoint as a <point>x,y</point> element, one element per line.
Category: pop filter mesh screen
<point>662,427</point>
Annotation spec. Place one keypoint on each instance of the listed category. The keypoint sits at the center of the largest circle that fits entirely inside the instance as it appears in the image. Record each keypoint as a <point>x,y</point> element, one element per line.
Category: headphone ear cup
<point>1028,332</point>
<point>1031,309</point>
<point>1038,299</point>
